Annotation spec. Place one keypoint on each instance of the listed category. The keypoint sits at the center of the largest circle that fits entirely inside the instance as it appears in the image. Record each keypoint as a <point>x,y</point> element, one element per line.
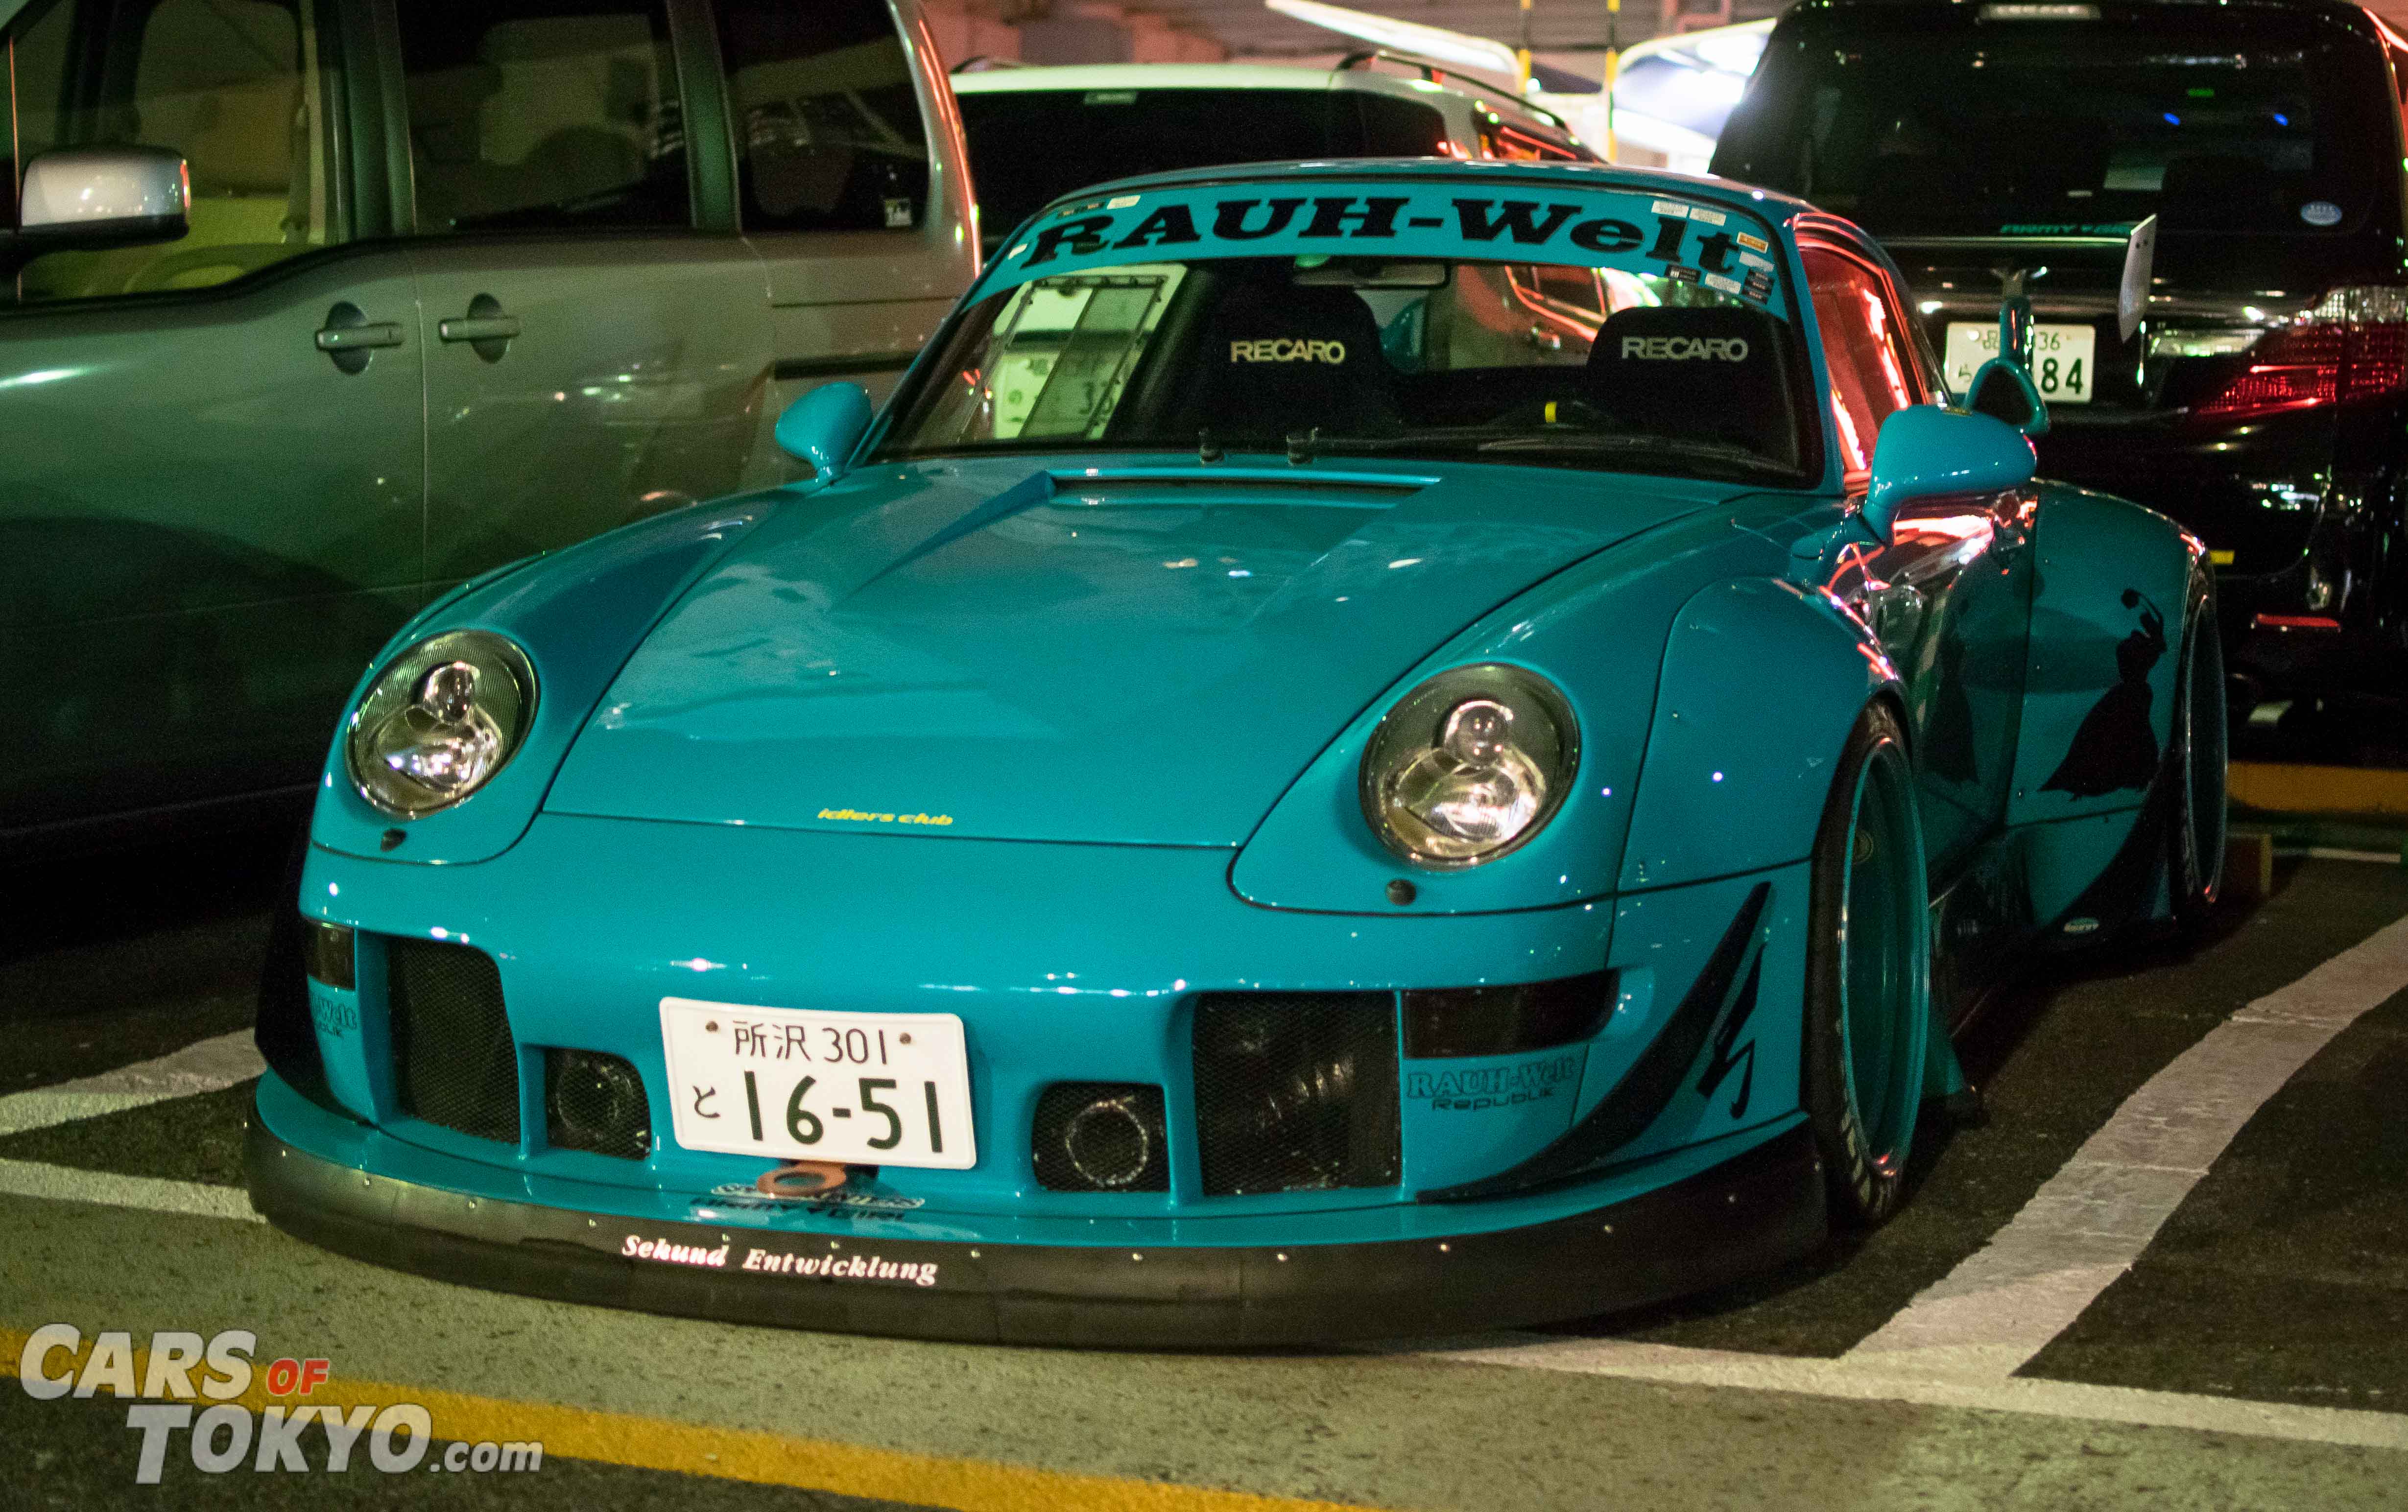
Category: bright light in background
<point>1672,96</point>
<point>1433,42</point>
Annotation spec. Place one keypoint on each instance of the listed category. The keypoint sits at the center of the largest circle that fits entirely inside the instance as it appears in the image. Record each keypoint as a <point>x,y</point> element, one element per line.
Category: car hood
<point>1004,650</point>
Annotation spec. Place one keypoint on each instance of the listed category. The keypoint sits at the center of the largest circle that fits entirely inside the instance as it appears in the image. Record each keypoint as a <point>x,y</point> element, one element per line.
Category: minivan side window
<point>1873,373</point>
<point>1394,128</point>
<point>539,115</point>
<point>238,86</point>
<point>827,123</point>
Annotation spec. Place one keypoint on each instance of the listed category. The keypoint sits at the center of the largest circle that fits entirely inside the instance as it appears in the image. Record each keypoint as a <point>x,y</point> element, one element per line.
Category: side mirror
<point>89,197</point>
<point>1927,451</point>
<point>824,426</point>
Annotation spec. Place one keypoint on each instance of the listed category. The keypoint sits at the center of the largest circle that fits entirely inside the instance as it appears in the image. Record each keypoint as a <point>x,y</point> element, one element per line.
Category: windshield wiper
<point>1719,451</point>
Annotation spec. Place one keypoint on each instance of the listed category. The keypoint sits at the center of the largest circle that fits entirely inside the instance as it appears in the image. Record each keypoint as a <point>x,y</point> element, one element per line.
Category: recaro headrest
<point>1281,359</point>
<point>1716,374</point>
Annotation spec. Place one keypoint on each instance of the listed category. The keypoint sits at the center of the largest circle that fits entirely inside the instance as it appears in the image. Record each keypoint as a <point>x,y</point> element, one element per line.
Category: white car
<point>1037,134</point>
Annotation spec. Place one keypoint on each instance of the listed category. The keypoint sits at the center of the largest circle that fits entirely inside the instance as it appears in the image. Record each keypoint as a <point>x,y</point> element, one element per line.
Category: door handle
<point>485,328</point>
<point>357,338</point>
<point>349,337</point>
<point>478,328</point>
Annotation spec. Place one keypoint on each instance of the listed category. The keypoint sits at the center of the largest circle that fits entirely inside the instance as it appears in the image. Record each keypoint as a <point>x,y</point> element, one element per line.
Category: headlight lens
<point>439,721</point>
<point>1468,765</point>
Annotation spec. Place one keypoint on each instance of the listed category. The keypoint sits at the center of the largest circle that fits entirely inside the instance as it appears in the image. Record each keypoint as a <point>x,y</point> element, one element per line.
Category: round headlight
<point>1468,765</point>
<point>439,720</point>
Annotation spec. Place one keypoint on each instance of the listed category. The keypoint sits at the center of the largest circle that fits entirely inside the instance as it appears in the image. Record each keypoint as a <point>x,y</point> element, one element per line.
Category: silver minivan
<point>311,308</point>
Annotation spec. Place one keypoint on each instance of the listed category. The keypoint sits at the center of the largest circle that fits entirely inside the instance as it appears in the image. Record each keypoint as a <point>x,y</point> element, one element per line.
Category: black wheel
<point>1868,973</point>
<point>2195,764</point>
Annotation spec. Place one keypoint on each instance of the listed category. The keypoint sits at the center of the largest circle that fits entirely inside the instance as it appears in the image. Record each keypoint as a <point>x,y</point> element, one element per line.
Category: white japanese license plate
<point>875,1089</point>
<point>2063,358</point>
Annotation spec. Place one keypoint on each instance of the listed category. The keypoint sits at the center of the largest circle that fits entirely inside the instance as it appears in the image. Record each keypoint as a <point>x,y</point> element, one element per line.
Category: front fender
<point>579,614</point>
<point>1598,632</point>
<point>1762,681</point>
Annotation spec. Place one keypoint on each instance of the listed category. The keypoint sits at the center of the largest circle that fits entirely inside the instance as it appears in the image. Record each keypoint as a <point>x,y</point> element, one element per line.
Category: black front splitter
<point>1747,1215</point>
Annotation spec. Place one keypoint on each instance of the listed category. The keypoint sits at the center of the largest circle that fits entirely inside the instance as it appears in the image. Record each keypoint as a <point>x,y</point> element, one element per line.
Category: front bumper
<point>1748,1213</point>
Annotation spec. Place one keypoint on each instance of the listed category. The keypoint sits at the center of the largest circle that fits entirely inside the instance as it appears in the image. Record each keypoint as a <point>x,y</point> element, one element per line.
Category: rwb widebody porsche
<point>1363,749</point>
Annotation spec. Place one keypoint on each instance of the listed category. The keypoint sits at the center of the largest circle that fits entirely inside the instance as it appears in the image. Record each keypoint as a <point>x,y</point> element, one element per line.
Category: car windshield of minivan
<point>1921,125</point>
<point>1312,356</point>
<point>1030,147</point>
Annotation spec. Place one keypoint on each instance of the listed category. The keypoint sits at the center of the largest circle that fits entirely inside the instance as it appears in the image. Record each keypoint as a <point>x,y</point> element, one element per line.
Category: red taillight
<point>2354,344</point>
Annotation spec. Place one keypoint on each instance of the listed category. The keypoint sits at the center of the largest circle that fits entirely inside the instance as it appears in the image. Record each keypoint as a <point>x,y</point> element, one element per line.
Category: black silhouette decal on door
<point>2115,749</point>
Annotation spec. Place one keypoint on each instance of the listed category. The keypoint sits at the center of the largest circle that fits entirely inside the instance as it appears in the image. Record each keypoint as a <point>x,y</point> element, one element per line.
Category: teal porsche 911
<point>1363,749</point>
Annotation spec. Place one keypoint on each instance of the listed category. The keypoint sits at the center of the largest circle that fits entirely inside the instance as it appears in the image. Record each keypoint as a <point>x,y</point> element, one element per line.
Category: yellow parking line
<point>743,1454</point>
<point>2291,788</point>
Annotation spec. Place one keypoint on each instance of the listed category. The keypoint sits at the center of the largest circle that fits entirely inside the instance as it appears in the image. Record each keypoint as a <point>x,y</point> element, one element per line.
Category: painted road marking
<point>210,1065</point>
<point>1856,1378</point>
<point>2295,788</point>
<point>106,1189</point>
<point>750,1455</point>
<point>2091,1220</point>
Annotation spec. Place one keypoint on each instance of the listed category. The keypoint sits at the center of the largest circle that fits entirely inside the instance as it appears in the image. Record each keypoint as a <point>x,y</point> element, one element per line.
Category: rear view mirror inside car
<point>1370,273</point>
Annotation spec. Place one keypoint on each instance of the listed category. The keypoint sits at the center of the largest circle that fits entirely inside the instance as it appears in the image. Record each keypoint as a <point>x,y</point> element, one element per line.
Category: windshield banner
<point>1714,246</point>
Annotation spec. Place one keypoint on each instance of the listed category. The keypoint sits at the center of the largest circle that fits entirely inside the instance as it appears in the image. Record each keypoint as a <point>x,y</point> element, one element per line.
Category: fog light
<point>595,1102</point>
<point>1100,1136</point>
<point>327,953</point>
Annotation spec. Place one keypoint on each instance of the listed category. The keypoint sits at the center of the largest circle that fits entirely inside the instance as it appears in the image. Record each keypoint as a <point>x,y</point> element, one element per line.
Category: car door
<point>207,520</point>
<point>853,182</point>
<point>1950,597</point>
<point>596,334</point>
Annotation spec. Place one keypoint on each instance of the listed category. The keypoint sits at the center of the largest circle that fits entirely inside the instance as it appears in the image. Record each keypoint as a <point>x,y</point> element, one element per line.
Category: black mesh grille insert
<point>595,1102</point>
<point>452,1058</point>
<point>1100,1136</point>
<point>1296,1091</point>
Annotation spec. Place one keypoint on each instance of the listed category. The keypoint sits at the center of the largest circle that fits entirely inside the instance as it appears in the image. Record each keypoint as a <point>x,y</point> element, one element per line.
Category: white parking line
<point>1858,1380</point>
<point>67,1184</point>
<point>210,1065</point>
<point>1959,1342</point>
<point>2091,1220</point>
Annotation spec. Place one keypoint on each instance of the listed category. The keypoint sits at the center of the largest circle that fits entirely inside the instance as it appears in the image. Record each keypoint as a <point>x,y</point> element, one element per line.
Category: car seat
<point>1279,358</point>
<point>1696,372</point>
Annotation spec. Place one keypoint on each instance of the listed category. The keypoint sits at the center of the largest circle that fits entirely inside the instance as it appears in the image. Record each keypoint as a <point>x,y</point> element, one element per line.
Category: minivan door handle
<point>479,328</point>
<point>349,336</point>
<point>486,329</point>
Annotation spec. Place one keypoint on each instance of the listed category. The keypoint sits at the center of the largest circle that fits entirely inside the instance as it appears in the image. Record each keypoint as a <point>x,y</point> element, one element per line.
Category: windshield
<point>1917,123</point>
<point>1030,147</point>
<point>1544,363</point>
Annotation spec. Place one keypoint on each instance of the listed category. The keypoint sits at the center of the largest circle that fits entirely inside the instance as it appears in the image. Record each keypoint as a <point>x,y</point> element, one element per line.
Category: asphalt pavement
<point>2239,1345</point>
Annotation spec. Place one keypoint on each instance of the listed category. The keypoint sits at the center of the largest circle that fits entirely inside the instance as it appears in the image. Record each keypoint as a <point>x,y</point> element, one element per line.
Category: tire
<point>2194,762</point>
<point>1868,975</point>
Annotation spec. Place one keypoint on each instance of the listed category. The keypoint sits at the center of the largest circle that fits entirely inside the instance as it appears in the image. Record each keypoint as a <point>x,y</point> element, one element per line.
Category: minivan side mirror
<point>1926,451</point>
<point>85,198</point>
<point>824,426</point>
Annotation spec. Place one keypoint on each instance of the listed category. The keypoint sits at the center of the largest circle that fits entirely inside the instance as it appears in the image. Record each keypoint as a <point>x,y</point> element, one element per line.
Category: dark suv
<point>2263,399</point>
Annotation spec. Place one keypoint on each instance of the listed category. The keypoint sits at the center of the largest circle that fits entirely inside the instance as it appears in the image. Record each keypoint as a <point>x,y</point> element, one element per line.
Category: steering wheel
<point>243,257</point>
